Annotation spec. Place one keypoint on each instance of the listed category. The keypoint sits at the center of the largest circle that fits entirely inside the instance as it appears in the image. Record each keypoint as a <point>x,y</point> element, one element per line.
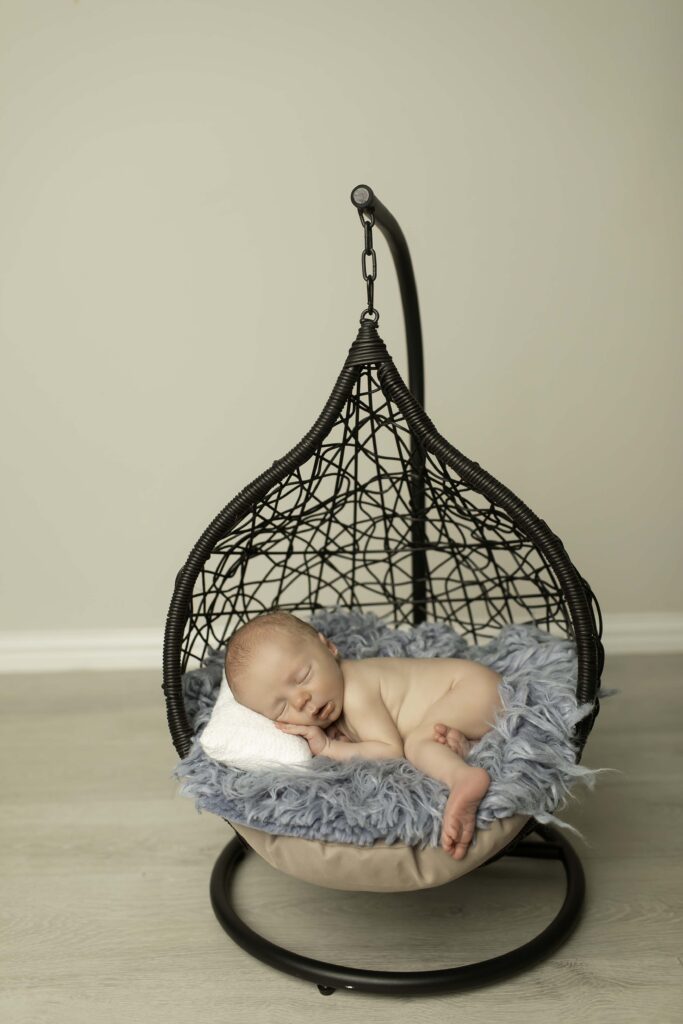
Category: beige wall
<point>181,269</point>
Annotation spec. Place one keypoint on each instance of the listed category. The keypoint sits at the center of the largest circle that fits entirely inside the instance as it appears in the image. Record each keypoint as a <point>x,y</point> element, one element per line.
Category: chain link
<point>367,314</point>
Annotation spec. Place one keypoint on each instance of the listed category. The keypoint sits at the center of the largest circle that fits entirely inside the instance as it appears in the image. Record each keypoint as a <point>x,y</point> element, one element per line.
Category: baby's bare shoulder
<point>361,678</point>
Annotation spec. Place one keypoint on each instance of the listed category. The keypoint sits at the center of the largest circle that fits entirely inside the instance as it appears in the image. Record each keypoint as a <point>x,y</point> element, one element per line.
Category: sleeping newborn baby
<point>428,710</point>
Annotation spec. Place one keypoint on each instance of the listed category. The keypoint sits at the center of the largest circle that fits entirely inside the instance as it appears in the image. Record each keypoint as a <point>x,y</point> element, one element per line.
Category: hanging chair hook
<point>365,199</point>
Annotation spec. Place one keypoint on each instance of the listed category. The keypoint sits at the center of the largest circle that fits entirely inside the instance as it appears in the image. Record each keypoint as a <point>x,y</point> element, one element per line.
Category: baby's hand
<point>317,738</point>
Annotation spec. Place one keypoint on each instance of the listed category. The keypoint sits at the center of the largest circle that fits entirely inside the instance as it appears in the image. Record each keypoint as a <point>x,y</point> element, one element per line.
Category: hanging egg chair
<point>375,510</point>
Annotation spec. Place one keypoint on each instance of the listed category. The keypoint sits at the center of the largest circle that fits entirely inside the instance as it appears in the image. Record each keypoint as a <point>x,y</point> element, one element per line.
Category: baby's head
<point>283,668</point>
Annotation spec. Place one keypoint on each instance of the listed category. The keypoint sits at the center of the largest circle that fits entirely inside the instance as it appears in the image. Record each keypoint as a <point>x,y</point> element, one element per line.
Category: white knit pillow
<point>238,736</point>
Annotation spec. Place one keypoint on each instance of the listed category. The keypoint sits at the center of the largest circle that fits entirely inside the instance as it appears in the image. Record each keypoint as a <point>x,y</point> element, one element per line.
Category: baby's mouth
<point>324,712</point>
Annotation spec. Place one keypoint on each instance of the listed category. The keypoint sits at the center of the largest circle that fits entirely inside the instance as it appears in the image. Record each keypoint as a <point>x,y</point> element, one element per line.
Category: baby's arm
<point>335,732</point>
<point>320,744</point>
<point>374,750</point>
<point>378,735</point>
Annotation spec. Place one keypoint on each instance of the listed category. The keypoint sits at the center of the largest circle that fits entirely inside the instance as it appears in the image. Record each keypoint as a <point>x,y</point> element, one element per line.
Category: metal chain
<point>370,278</point>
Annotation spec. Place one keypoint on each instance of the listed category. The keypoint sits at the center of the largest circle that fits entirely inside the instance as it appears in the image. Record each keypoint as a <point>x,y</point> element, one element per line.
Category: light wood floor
<point>105,881</point>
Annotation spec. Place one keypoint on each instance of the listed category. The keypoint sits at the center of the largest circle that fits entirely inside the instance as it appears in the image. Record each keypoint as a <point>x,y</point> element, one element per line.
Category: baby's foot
<point>461,811</point>
<point>455,739</point>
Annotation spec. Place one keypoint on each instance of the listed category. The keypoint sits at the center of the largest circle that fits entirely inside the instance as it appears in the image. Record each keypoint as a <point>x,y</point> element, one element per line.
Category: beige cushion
<point>380,867</point>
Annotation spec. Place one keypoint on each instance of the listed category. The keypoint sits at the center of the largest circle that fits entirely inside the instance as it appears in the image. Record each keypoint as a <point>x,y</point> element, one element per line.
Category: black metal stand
<point>330,977</point>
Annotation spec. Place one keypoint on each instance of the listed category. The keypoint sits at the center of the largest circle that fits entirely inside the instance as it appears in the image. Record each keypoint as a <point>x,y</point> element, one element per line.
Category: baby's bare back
<point>407,686</point>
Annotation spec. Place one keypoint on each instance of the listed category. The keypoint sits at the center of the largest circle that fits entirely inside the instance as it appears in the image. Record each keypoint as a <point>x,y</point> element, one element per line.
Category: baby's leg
<point>459,741</point>
<point>469,707</point>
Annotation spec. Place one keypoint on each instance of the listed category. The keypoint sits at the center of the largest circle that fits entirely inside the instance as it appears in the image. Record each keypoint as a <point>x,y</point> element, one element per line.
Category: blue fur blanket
<point>529,753</point>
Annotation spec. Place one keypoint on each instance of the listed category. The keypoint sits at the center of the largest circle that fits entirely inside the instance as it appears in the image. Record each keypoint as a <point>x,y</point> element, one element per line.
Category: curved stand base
<point>330,977</point>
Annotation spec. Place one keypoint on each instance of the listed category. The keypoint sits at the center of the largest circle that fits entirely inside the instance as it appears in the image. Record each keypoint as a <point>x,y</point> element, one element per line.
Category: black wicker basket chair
<point>373,509</point>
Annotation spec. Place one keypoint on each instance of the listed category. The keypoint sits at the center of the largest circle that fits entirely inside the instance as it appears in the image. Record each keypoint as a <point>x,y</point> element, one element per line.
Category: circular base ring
<point>329,977</point>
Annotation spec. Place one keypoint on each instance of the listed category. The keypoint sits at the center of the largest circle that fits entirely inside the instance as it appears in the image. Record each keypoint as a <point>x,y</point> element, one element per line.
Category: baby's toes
<point>453,738</point>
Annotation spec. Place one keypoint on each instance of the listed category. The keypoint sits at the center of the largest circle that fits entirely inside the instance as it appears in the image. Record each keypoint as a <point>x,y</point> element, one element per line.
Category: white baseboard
<point>141,649</point>
<point>104,650</point>
<point>646,633</point>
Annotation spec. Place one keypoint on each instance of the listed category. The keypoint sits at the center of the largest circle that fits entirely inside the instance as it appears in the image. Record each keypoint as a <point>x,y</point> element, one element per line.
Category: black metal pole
<point>363,198</point>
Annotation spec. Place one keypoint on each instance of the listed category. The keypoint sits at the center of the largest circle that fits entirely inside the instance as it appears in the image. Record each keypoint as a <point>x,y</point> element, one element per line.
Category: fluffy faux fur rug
<point>528,753</point>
